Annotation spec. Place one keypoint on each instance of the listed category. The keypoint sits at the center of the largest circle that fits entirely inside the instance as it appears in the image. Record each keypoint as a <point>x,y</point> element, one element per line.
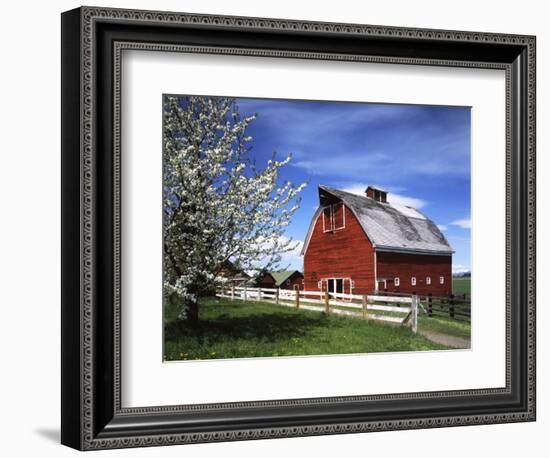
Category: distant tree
<point>219,205</point>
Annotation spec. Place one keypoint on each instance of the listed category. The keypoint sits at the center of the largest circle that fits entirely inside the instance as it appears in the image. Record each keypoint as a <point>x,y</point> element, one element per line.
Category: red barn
<point>284,279</point>
<point>361,245</point>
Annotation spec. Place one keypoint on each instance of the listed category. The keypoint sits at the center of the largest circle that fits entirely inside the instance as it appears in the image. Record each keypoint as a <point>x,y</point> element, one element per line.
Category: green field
<point>445,325</point>
<point>251,329</point>
<point>461,285</point>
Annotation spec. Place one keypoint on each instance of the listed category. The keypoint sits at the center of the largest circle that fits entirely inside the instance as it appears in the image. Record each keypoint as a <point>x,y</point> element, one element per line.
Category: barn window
<point>441,280</point>
<point>334,217</point>
<point>428,280</point>
<point>339,216</point>
<point>327,219</point>
<point>413,281</point>
<point>396,281</point>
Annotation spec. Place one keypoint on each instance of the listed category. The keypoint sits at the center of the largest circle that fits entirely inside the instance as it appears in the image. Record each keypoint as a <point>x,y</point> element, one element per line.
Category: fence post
<point>414,311</point>
<point>451,306</point>
<point>327,305</point>
<point>244,293</point>
<point>297,299</point>
<point>365,304</point>
<point>233,291</point>
<point>259,294</point>
<point>430,310</point>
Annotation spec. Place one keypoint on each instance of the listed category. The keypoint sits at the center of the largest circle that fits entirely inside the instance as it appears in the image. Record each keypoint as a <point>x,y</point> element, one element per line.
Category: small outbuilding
<point>283,279</point>
<point>229,272</point>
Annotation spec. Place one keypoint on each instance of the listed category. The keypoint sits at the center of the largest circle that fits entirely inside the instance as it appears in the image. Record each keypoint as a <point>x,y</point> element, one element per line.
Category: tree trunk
<point>192,315</point>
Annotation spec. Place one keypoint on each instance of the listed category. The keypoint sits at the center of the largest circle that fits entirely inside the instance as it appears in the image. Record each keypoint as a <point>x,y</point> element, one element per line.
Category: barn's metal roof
<point>389,227</point>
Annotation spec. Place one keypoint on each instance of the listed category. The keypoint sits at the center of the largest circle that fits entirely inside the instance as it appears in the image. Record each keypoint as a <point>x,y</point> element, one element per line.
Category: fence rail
<point>352,305</point>
<point>455,307</point>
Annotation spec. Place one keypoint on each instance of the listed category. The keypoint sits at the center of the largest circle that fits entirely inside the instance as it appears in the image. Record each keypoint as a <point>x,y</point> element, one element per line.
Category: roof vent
<point>377,194</point>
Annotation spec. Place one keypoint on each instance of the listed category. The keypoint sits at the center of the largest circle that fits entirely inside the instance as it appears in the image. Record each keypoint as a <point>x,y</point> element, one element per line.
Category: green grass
<point>445,325</point>
<point>250,329</point>
<point>461,285</point>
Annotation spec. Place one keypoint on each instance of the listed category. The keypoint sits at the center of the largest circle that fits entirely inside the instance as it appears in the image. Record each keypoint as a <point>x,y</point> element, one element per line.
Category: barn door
<point>331,285</point>
<point>347,288</point>
<point>336,285</point>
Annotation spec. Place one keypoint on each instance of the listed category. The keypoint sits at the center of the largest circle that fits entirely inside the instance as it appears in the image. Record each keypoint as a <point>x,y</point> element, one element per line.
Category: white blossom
<point>219,206</point>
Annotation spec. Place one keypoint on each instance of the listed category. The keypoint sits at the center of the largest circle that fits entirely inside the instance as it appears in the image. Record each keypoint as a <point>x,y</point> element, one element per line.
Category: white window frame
<point>344,279</point>
<point>413,281</point>
<point>396,281</point>
<point>332,226</point>
<point>334,208</point>
<point>442,280</point>
<point>428,280</point>
<point>330,220</point>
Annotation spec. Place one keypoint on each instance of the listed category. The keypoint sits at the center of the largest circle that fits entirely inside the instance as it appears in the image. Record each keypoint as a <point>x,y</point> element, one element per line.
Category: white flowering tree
<point>219,206</point>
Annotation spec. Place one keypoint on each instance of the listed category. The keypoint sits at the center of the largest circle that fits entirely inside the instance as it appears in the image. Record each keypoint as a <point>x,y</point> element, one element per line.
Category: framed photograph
<point>276,228</point>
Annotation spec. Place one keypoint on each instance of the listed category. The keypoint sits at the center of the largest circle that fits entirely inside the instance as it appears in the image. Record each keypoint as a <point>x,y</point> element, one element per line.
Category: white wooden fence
<point>333,303</point>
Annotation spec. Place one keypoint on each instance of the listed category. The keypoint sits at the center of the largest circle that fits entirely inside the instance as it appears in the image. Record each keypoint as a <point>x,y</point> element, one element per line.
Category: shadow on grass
<point>266,327</point>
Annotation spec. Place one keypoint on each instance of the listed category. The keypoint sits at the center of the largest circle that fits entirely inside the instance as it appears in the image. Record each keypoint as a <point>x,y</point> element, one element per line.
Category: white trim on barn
<point>323,213</point>
<point>343,216</point>
<point>375,272</point>
<point>332,218</point>
<point>345,280</point>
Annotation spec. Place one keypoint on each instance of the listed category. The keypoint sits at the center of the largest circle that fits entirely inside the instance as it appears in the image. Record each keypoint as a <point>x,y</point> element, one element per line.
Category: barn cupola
<point>377,194</point>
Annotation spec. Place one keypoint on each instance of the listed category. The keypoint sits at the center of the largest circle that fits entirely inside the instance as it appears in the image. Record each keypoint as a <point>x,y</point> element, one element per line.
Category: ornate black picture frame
<point>92,42</point>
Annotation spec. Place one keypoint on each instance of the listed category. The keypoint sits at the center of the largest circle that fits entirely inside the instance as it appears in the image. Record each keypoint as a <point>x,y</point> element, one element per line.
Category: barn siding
<point>345,253</point>
<point>406,266</point>
<point>266,280</point>
<point>295,279</point>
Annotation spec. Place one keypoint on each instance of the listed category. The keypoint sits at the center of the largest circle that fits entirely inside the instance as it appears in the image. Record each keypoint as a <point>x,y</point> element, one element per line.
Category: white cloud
<point>356,188</point>
<point>465,223</point>
<point>442,227</point>
<point>407,201</point>
<point>328,165</point>
<point>291,259</point>
<point>460,268</point>
<point>399,200</point>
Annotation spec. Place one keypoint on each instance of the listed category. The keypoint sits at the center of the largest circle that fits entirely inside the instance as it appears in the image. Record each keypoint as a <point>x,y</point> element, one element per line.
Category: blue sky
<point>419,154</point>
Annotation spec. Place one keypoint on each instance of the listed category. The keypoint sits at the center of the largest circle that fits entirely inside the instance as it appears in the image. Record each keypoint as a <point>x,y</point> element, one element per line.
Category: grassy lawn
<point>445,325</point>
<point>461,285</point>
<point>250,329</point>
